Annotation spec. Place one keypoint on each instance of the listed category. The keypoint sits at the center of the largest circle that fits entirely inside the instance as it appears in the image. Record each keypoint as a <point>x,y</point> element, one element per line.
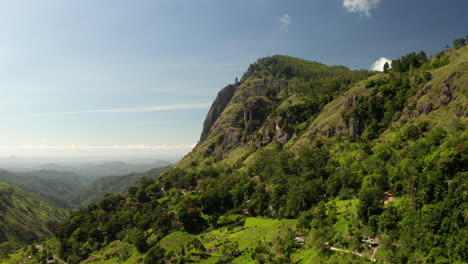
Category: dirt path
<point>373,253</point>
<point>352,252</point>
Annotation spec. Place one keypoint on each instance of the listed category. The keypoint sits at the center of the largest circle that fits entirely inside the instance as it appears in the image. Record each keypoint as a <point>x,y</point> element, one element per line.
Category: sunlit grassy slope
<point>24,218</point>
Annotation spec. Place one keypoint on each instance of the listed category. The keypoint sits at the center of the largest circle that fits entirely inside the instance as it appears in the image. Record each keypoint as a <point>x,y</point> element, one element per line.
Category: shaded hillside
<point>367,167</point>
<point>68,189</point>
<point>24,218</point>
<point>113,184</point>
<point>50,185</point>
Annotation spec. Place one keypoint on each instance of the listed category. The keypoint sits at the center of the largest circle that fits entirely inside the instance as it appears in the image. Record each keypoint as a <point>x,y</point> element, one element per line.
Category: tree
<point>141,244</point>
<point>396,65</point>
<point>155,255</point>
<point>190,217</point>
<point>369,202</point>
<point>132,190</point>
<point>458,43</point>
<point>198,245</point>
<point>422,57</point>
<point>388,220</point>
<point>141,196</point>
<point>386,67</point>
<point>237,80</point>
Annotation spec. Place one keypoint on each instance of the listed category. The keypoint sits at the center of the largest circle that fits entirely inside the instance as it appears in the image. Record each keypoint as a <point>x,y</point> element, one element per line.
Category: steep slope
<point>344,166</point>
<point>271,108</point>
<point>274,101</point>
<point>398,136</point>
<point>24,218</point>
<point>441,99</point>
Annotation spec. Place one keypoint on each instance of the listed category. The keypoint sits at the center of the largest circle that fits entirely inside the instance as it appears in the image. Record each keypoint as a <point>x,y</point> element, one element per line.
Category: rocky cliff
<point>289,101</point>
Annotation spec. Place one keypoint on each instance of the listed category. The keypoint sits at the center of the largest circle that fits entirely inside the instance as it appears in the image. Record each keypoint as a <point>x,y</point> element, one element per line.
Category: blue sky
<point>115,78</point>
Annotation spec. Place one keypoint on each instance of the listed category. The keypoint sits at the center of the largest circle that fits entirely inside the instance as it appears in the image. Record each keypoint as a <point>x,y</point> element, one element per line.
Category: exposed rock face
<point>277,85</point>
<point>425,108</point>
<point>271,131</point>
<point>218,106</point>
<point>349,103</point>
<point>267,132</point>
<point>406,113</point>
<point>355,127</point>
<point>424,90</point>
<point>255,113</point>
<point>280,136</point>
<point>231,138</point>
<point>445,94</point>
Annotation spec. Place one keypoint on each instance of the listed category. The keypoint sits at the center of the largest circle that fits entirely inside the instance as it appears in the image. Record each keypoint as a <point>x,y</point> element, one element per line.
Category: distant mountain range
<point>80,184</point>
<point>50,185</point>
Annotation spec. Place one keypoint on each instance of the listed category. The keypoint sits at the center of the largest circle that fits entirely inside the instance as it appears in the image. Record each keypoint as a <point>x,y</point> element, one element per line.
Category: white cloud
<point>285,20</point>
<point>363,7</point>
<point>87,147</point>
<point>379,64</point>
<point>130,110</point>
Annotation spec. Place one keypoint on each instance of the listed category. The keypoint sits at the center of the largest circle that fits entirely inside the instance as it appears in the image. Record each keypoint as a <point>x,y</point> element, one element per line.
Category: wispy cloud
<point>379,64</point>
<point>88,147</point>
<point>130,110</point>
<point>363,7</point>
<point>285,20</point>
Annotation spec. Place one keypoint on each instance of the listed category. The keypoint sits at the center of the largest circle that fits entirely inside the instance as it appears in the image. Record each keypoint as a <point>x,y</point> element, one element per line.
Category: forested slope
<point>112,184</point>
<point>24,218</point>
<point>365,165</point>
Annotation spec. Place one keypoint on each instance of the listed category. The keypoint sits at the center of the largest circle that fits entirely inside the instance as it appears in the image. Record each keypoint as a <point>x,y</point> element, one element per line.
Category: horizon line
<point>130,109</point>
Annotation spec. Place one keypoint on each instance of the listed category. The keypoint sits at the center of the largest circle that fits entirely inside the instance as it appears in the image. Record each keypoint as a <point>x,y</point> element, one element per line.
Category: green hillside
<point>24,218</point>
<point>300,162</point>
<point>50,185</point>
<point>112,184</point>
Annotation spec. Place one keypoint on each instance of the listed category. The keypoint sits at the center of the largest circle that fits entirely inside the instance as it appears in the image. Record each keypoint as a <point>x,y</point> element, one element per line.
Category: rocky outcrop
<point>277,85</point>
<point>445,96</point>
<point>271,131</point>
<point>280,136</point>
<point>448,88</point>
<point>349,102</point>
<point>218,106</point>
<point>356,127</point>
<point>424,90</point>
<point>255,113</point>
<point>231,138</point>
<point>425,108</point>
